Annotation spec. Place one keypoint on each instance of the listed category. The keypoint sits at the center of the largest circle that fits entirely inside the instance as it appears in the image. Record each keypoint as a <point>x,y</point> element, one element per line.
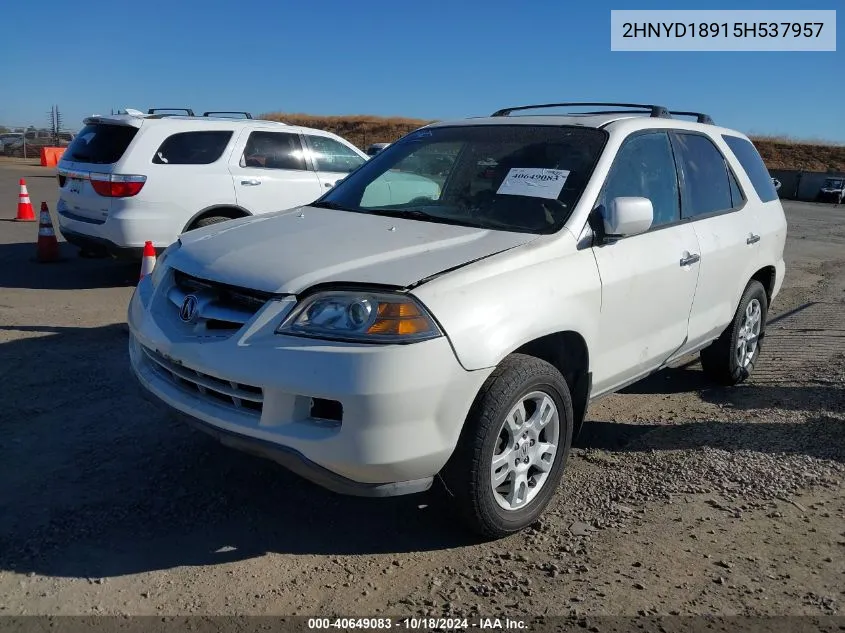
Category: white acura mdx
<point>373,342</point>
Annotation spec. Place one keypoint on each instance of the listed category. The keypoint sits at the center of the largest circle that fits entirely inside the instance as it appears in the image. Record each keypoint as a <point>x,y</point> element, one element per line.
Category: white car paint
<point>633,302</point>
<point>176,195</point>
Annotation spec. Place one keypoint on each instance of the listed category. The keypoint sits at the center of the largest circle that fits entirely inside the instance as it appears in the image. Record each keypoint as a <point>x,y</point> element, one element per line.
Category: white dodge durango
<point>374,342</point>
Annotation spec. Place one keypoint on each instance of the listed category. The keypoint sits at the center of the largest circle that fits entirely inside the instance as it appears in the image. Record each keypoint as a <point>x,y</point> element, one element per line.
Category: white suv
<point>372,343</point>
<point>130,178</point>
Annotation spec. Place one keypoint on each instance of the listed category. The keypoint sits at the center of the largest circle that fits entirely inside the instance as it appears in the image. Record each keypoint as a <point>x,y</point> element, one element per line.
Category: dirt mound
<point>363,129</point>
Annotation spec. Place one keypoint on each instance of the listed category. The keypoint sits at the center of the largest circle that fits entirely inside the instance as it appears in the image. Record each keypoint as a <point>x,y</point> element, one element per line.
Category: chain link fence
<point>27,142</point>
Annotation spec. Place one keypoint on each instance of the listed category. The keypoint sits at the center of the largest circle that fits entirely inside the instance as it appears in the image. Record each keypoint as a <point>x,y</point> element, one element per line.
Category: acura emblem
<point>188,309</point>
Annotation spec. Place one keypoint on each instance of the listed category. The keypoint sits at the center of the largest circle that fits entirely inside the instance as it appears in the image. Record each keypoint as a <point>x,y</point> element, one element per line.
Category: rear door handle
<point>251,182</point>
<point>690,259</point>
<point>752,239</point>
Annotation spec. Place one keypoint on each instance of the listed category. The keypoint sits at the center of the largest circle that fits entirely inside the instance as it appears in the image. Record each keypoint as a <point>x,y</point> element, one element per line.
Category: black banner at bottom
<point>550,624</point>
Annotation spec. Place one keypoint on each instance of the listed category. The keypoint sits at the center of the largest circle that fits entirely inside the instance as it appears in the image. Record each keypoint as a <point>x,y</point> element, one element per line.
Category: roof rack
<point>187,111</point>
<point>699,117</point>
<point>247,115</point>
<point>656,111</point>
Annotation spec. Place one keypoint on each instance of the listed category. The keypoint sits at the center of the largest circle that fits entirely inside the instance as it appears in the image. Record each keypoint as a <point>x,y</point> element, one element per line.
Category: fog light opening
<point>328,410</point>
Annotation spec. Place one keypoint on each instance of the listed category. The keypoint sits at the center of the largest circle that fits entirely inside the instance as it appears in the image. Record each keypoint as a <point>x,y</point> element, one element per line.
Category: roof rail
<point>656,111</point>
<point>187,111</point>
<point>247,115</point>
<point>699,117</point>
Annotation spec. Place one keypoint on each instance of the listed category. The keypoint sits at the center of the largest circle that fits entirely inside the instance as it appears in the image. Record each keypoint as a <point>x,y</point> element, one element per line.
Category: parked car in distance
<point>776,183</point>
<point>30,143</point>
<point>8,139</point>
<point>130,178</point>
<point>377,343</point>
<point>375,148</point>
<point>831,190</point>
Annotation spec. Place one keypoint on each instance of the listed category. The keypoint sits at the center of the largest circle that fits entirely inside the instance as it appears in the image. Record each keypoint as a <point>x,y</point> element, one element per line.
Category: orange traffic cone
<point>48,246</point>
<point>25,212</point>
<point>149,260</point>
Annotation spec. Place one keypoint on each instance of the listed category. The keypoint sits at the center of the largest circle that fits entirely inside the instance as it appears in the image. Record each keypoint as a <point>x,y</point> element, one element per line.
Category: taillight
<point>117,185</point>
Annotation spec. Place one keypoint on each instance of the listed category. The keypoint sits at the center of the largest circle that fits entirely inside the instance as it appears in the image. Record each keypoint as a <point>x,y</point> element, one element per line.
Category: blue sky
<point>429,60</point>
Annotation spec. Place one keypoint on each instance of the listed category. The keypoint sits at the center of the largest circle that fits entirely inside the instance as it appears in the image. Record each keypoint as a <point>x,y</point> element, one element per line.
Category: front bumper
<point>403,406</point>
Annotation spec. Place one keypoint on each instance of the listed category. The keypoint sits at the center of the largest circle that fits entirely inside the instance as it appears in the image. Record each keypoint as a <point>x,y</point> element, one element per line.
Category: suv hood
<point>290,251</point>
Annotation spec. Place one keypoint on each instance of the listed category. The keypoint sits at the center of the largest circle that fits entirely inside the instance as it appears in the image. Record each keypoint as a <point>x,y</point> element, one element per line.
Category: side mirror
<point>627,216</point>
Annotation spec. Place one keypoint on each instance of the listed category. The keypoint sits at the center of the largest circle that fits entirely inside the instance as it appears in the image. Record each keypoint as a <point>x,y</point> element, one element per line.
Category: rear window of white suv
<point>100,143</point>
<point>753,164</point>
<point>192,148</point>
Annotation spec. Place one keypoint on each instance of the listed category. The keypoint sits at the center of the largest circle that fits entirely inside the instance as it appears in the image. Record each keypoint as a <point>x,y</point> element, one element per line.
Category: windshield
<point>833,183</point>
<point>523,178</point>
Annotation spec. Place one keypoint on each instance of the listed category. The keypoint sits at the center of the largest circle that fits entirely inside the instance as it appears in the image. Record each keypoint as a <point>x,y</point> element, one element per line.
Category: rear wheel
<point>208,221</point>
<point>730,359</point>
<point>513,449</point>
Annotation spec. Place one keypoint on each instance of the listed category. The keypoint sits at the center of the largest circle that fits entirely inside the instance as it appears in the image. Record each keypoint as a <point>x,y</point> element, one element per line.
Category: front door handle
<point>688,259</point>
<point>251,182</point>
<point>752,239</point>
<point>330,184</point>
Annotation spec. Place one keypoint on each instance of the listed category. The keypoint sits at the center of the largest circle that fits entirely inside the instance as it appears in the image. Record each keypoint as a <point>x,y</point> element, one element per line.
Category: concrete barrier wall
<point>801,185</point>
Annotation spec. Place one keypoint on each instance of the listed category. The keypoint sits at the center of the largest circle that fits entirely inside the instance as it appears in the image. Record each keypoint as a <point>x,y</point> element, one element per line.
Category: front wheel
<point>513,448</point>
<point>730,359</point>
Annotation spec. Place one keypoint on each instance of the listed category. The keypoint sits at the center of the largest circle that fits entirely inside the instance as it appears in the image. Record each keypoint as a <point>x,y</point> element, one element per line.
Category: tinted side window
<point>100,144</point>
<point>707,187</point>
<point>645,168</point>
<point>737,197</point>
<point>192,148</point>
<point>329,155</point>
<point>753,164</point>
<point>274,150</point>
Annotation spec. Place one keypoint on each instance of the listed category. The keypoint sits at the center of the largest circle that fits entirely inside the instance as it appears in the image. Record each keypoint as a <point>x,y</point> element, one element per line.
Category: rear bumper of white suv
<point>122,233</point>
<point>400,407</point>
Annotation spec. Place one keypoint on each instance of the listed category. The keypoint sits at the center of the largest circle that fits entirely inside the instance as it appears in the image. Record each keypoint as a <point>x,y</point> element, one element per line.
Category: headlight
<point>361,316</point>
<point>161,267</point>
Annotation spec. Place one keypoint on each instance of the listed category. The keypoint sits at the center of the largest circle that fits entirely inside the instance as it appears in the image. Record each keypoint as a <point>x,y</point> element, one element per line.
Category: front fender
<point>494,306</point>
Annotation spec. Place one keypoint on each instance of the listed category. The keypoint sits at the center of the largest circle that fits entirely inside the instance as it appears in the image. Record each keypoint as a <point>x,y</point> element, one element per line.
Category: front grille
<point>244,398</point>
<point>222,307</point>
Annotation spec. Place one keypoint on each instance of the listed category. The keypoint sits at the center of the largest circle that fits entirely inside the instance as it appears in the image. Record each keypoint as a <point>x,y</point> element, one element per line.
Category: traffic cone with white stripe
<point>149,260</point>
<point>48,246</point>
<point>25,212</point>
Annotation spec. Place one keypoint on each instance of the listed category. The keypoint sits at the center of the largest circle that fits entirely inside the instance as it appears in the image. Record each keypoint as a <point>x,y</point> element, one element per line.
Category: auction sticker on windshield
<point>534,182</point>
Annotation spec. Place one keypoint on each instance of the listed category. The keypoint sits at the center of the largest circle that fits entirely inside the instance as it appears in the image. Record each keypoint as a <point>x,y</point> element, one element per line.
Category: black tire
<point>719,360</point>
<point>212,219</point>
<point>467,475</point>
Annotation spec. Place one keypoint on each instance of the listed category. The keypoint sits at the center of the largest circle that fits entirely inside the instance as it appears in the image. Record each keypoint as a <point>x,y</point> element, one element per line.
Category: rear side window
<point>274,150</point>
<point>753,164</point>
<point>192,148</point>
<point>707,180</point>
<point>100,143</point>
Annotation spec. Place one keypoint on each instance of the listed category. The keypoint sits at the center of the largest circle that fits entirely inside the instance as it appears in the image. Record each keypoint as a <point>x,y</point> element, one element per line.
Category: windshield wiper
<point>327,204</point>
<point>416,214</point>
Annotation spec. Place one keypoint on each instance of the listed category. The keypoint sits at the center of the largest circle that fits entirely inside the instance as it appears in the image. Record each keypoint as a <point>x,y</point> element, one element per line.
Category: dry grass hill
<point>778,152</point>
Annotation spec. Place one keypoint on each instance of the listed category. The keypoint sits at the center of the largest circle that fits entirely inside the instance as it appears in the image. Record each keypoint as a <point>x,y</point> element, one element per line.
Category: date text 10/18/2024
<point>418,624</point>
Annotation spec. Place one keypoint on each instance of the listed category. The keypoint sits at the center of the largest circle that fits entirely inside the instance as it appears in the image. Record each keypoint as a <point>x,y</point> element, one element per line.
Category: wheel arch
<point>767,276</point>
<point>568,352</point>
<point>231,211</point>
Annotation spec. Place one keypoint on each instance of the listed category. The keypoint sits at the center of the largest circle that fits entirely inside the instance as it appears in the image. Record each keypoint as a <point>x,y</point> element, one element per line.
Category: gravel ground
<point>679,498</point>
